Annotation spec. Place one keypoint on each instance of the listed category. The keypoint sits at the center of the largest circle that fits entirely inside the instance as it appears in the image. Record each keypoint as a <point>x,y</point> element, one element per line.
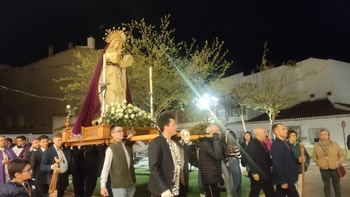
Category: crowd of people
<point>276,168</point>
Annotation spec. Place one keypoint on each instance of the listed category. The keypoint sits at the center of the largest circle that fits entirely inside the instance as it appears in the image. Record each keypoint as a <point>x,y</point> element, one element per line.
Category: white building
<point>324,104</point>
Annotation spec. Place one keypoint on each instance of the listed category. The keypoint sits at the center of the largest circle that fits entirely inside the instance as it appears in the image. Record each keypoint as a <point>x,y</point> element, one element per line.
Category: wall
<point>341,81</point>
<point>37,79</point>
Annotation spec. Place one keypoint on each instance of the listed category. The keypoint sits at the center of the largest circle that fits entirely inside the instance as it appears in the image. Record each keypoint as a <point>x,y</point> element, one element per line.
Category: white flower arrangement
<point>126,115</point>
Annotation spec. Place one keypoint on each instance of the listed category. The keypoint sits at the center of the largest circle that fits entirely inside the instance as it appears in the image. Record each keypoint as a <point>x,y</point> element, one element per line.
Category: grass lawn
<point>142,177</point>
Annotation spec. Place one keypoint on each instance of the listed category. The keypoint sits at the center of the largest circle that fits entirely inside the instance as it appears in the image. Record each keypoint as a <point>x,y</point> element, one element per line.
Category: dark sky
<point>295,29</point>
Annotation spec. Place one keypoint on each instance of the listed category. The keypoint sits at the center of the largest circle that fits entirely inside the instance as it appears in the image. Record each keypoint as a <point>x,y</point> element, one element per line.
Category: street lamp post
<point>206,102</point>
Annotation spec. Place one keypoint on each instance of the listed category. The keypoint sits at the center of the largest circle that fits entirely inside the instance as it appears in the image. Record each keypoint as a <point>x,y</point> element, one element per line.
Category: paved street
<point>314,185</point>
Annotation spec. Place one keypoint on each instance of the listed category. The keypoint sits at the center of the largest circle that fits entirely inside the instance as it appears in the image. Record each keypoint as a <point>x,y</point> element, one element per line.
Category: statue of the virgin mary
<point>115,75</point>
<point>116,64</point>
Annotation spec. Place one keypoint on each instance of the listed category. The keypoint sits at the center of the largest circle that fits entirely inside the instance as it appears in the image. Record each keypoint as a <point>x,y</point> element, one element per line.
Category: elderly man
<point>210,161</point>
<point>259,165</point>
<point>285,165</point>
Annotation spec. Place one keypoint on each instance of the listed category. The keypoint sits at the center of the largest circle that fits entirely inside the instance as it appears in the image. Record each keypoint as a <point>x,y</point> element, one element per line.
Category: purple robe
<point>24,150</point>
<point>91,106</point>
<point>10,155</point>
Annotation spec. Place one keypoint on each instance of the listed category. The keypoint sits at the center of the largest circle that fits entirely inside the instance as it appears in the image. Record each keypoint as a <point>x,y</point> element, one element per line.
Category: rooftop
<point>308,110</point>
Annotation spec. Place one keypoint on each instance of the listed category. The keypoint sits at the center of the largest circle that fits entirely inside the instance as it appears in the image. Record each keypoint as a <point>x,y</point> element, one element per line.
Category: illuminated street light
<point>206,102</point>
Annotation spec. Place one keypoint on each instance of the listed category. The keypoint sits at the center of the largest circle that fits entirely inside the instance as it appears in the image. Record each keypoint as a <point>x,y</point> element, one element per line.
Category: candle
<point>104,69</point>
<point>150,79</point>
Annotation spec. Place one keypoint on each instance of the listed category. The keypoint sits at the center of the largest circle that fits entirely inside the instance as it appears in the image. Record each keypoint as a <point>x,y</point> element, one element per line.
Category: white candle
<point>104,69</point>
<point>150,79</point>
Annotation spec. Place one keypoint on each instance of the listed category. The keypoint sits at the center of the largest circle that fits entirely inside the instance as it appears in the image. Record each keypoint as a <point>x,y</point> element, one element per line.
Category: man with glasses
<point>119,165</point>
<point>21,183</point>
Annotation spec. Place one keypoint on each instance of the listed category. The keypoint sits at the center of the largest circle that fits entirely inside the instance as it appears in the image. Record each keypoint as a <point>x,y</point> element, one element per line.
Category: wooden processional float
<point>101,134</point>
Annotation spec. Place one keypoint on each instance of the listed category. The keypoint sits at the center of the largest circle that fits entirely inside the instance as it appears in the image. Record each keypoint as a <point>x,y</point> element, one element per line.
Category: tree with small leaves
<point>275,87</point>
<point>75,87</point>
<point>180,70</point>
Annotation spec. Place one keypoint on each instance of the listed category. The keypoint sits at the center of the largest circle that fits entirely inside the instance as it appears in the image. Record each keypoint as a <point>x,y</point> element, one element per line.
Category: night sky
<point>295,30</point>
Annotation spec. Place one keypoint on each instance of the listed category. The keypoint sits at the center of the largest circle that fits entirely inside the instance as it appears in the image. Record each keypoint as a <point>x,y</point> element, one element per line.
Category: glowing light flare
<point>206,101</point>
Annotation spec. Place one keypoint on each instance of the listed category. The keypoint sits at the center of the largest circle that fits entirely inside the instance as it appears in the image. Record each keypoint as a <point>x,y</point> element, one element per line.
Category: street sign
<point>343,124</point>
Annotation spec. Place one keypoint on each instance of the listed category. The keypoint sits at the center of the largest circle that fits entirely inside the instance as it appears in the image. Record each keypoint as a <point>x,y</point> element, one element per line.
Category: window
<point>314,134</point>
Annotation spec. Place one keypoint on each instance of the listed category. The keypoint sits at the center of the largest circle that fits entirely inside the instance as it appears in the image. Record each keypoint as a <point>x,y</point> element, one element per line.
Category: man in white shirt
<point>48,161</point>
<point>119,164</point>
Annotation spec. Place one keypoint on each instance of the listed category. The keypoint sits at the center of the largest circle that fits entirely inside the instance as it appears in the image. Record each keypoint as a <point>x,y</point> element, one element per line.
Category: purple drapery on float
<point>91,106</point>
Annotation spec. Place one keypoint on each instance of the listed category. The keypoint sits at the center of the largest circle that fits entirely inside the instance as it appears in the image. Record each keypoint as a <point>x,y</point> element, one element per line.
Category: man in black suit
<point>259,162</point>
<point>285,165</point>
<point>40,175</point>
<point>35,146</point>
<point>164,159</point>
<point>48,161</point>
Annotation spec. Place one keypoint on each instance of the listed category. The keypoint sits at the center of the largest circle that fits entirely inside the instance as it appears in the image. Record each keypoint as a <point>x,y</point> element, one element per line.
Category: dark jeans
<point>327,175</point>
<point>212,190</point>
<point>256,186</point>
<point>291,191</point>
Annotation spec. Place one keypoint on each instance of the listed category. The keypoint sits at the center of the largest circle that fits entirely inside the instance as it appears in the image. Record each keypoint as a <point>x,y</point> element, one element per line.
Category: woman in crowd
<point>233,157</point>
<point>224,161</point>
<point>328,156</point>
<point>246,139</point>
<point>295,147</point>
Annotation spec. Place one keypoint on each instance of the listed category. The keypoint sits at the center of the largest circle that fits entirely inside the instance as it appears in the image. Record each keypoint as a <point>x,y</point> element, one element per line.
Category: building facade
<point>30,98</point>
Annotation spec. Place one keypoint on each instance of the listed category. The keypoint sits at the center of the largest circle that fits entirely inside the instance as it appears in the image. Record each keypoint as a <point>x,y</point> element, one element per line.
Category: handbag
<point>341,171</point>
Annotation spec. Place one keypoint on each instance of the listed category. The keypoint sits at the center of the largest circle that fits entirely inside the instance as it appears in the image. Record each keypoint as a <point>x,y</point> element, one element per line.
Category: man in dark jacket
<point>260,165</point>
<point>285,165</point>
<point>65,156</point>
<point>40,175</point>
<point>210,161</point>
<point>166,160</point>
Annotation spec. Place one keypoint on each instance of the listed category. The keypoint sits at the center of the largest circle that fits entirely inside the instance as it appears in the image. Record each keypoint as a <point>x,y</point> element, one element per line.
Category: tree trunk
<point>272,117</point>
<point>242,120</point>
